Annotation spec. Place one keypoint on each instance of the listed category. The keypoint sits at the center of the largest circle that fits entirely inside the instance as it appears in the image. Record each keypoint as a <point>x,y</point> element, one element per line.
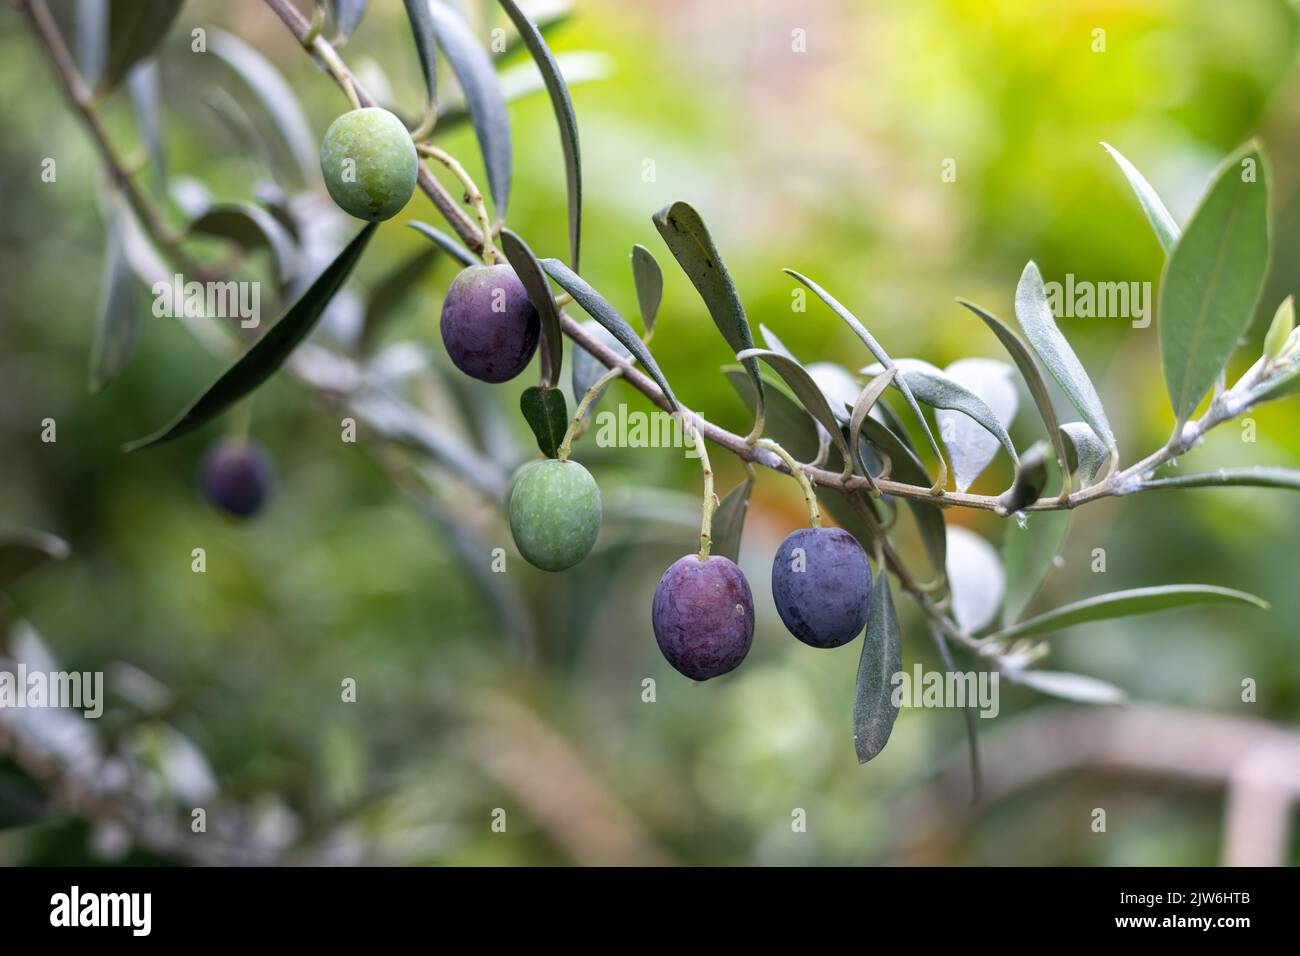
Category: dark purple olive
<point>821,584</point>
<point>489,325</point>
<point>703,616</point>
<point>236,476</point>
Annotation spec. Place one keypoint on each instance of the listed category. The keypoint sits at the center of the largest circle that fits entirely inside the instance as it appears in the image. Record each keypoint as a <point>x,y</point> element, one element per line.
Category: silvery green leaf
<point>92,39</point>
<point>1085,452</point>
<point>649,281</point>
<point>347,16</point>
<point>117,328</point>
<point>1127,604</point>
<point>1031,545</point>
<point>729,521</point>
<point>1213,279</point>
<point>553,77</point>
<point>839,386</point>
<point>1075,687</point>
<point>874,711</point>
<point>774,343</point>
<point>1257,477</point>
<point>1050,345</point>
<point>806,390</point>
<point>976,578</point>
<point>787,423</point>
<point>908,468</point>
<point>530,273</point>
<point>445,242</point>
<point>426,45</point>
<point>862,408</point>
<point>146,100</point>
<point>585,368</point>
<point>1162,224</point>
<point>971,447</point>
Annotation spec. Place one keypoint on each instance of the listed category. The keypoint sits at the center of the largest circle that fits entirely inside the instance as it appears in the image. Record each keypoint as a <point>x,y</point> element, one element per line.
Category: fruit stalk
<point>473,195</point>
<point>710,499</point>
<point>796,469</point>
<point>575,423</point>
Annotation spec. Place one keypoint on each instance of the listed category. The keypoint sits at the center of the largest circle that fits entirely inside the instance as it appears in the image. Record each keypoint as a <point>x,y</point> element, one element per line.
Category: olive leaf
<point>1033,378</point>
<point>688,239</point>
<point>135,29</point>
<point>426,46</point>
<point>523,80</point>
<point>117,328</point>
<point>487,106</point>
<point>145,87</point>
<point>445,242</point>
<point>940,391</point>
<point>866,401</point>
<point>599,309</point>
<point>269,352</point>
<point>91,17</point>
<point>1213,279</point>
<point>969,717</point>
<point>975,577</point>
<point>881,356</point>
<point>1073,687</point>
<point>1050,345</point>
<point>907,468</point>
<point>585,369</point>
<point>547,415</point>
<point>1085,452</point>
<point>729,521</point>
<point>787,422</point>
<point>1256,477</point>
<point>23,551</point>
<point>838,385</point>
<point>1128,604</point>
<point>806,390</point>
<point>276,96</point>
<point>774,343</point>
<point>530,274</point>
<point>347,16</point>
<point>251,227</point>
<point>1030,480</point>
<point>649,281</point>
<point>1030,546</point>
<point>392,290</point>
<point>1162,224</point>
<point>874,710</point>
<point>971,446</point>
<point>567,122</point>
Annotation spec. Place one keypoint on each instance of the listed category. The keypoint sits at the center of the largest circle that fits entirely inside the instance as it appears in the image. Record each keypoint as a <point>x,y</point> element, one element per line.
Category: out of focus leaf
<point>119,309</point>
<point>547,415</point>
<point>968,716</point>
<point>1213,280</point>
<point>1130,603</point>
<point>874,711</point>
<point>1030,546</point>
<point>568,123</point>
<point>487,106</point>
<point>146,99</point>
<point>599,309</point>
<point>649,280</point>
<point>1257,477</point>
<point>908,469</point>
<point>806,390</point>
<point>729,521</point>
<point>1074,687</point>
<point>518,82</point>
<point>1162,224</point>
<point>585,369</point>
<point>445,242</point>
<point>1049,344</point>
<point>1085,452</point>
<point>23,551</point>
<point>975,577</point>
<point>393,290</point>
<point>971,447</point>
<point>237,122</point>
<point>787,422</point>
<point>135,29</point>
<point>92,39</point>
<point>269,352</point>
<point>251,227</point>
<point>530,274</point>
<point>347,15</point>
<point>426,47</point>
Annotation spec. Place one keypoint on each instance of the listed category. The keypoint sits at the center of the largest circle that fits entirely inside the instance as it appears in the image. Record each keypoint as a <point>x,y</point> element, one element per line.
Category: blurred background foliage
<point>828,161</point>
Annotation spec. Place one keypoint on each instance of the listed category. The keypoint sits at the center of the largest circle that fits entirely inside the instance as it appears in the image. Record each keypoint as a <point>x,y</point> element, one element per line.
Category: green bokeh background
<point>828,161</point>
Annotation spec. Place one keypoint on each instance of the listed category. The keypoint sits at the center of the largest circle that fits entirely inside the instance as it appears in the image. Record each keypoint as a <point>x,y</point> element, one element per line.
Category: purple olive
<point>821,584</point>
<point>703,616</point>
<point>236,477</point>
<point>489,325</point>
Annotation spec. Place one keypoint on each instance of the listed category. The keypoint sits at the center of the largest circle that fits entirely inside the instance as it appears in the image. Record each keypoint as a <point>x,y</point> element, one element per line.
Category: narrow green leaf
<point>1085,452</point>
<point>968,716</point>
<point>1257,477</point>
<point>689,241</point>
<point>547,415</point>
<point>1162,224</point>
<point>118,325</point>
<point>860,330</point>
<point>266,355</point>
<point>347,16</point>
<point>567,122</point>
<point>806,390</point>
<point>23,551</point>
<point>276,96</point>
<point>585,369</point>
<point>874,711</point>
<point>135,29</point>
<point>870,394</point>
<point>971,447</point>
<point>1049,344</point>
<point>729,521</point>
<point>426,46</point>
<point>251,227</point>
<point>1031,479</point>
<point>392,290</point>
<point>145,87</point>
<point>788,423</point>
<point>976,579</point>
<point>839,386</point>
<point>649,280</point>
<point>530,274</point>
<point>445,242</point>
<point>1030,547</point>
<point>1073,687</point>
<point>599,309</point>
<point>483,97</point>
<point>1212,280</point>
<point>92,39</point>
<point>1127,604</point>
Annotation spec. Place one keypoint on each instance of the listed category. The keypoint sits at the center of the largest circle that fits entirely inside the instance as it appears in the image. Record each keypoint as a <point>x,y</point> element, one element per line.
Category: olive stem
<point>473,195</point>
<point>575,424</point>
<point>710,499</point>
<point>796,469</point>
